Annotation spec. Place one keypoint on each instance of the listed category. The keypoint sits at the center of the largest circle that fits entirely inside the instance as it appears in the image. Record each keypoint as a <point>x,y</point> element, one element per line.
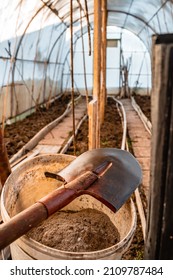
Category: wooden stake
<point>88,27</point>
<point>84,63</point>
<point>97,65</point>
<point>159,241</point>
<point>92,113</point>
<point>72,72</point>
<point>103,61</point>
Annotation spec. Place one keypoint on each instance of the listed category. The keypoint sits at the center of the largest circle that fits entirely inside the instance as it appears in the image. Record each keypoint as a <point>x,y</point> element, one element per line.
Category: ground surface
<point>144,103</point>
<point>19,133</point>
<point>111,131</point>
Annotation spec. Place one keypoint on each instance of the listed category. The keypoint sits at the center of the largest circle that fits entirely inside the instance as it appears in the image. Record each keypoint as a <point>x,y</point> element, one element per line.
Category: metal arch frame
<point>55,11</point>
<point>68,14</point>
<point>78,37</point>
<point>17,50</point>
<point>146,24</point>
<point>66,58</point>
<point>83,17</point>
<point>136,17</point>
<point>21,39</point>
<point>23,35</point>
<point>45,4</point>
<point>128,14</point>
<point>85,27</point>
<point>132,1</point>
<point>163,4</point>
<point>66,27</point>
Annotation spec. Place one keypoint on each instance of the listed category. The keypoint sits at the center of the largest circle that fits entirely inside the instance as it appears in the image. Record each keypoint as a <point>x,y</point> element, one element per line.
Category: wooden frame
<point>159,241</point>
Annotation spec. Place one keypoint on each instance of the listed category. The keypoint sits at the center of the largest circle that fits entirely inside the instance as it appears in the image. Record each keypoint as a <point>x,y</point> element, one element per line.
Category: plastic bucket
<point>27,184</point>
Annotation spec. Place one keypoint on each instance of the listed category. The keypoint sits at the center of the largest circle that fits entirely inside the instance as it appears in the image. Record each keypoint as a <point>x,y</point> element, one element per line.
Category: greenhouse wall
<point>129,50</point>
<point>32,71</point>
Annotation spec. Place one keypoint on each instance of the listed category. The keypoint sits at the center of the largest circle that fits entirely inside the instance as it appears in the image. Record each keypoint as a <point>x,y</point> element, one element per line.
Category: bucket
<point>27,184</point>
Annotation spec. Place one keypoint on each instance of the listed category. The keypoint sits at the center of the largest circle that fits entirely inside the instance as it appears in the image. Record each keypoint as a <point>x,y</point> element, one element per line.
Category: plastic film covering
<point>35,48</point>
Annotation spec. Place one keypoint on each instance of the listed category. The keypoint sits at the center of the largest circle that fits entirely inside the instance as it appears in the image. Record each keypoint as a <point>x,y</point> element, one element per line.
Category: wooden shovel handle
<point>5,169</point>
<point>35,214</point>
<point>21,224</point>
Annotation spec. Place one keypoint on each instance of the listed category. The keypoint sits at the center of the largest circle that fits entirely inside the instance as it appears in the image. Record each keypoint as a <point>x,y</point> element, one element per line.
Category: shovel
<point>110,175</point>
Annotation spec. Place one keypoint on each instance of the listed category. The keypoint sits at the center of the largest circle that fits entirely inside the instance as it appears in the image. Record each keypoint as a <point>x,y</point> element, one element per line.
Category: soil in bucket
<point>77,231</point>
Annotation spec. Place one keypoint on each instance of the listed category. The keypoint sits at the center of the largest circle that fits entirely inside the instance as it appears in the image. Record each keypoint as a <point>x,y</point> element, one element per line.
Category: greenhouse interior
<point>86,129</point>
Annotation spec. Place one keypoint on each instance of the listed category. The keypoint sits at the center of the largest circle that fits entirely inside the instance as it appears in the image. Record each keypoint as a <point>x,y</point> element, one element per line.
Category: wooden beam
<point>97,48</point>
<point>97,65</point>
<point>103,60</point>
<point>92,114</point>
<point>159,240</point>
<point>72,73</point>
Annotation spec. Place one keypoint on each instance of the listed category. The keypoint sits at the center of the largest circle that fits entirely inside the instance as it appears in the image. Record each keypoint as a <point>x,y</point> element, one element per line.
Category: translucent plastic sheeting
<point>141,17</point>
<point>134,52</point>
<point>25,16</point>
<point>35,45</point>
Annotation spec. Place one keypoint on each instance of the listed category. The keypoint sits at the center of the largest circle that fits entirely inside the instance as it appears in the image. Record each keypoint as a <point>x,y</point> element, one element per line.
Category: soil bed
<point>144,103</point>
<point>111,131</point>
<point>19,133</point>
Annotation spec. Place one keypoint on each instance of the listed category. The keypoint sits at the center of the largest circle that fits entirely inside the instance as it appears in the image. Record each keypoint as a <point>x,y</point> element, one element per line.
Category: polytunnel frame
<point>85,11</point>
<point>14,57</point>
<point>18,47</point>
<point>89,26</point>
<point>155,14</point>
<point>54,10</point>
<point>146,26</point>
<point>146,23</point>
<point>78,37</point>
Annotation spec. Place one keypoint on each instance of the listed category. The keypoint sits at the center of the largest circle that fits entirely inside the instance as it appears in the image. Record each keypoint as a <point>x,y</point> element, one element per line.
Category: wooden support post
<point>72,73</point>
<point>92,114</point>
<point>103,61</point>
<point>97,65</point>
<point>159,240</point>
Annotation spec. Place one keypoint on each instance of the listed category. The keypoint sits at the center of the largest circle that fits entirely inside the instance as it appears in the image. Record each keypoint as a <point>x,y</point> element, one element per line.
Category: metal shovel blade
<point>118,182</point>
